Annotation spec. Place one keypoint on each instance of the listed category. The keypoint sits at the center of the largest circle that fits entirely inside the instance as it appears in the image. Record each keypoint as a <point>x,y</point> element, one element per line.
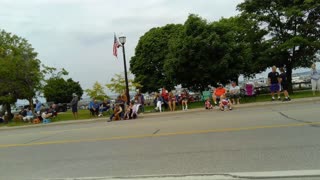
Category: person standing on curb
<point>315,76</point>
<point>284,84</point>
<point>274,83</point>
<point>74,105</point>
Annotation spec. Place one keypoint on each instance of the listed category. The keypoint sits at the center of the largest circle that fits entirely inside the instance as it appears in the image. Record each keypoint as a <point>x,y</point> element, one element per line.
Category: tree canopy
<point>97,92</point>
<point>59,90</point>
<point>293,26</point>
<point>20,69</point>
<point>148,62</point>
<point>199,53</point>
<point>117,83</point>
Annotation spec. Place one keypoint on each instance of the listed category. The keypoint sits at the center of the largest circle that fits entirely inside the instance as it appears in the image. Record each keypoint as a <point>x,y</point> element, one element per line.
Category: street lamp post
<point>122,40</point>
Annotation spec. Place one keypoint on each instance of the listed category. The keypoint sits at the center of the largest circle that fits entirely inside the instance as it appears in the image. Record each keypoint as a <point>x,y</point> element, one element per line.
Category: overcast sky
<point>78,34</point>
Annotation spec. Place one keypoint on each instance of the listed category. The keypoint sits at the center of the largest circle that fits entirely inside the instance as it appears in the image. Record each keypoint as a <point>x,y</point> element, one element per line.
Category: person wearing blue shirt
<point>29,116</point>
<point>38,106</point>
<point>94,107</point>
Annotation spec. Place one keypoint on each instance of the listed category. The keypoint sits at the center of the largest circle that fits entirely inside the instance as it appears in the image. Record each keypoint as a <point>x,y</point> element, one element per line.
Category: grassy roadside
<point>245,100</point>
<point>84,114</point>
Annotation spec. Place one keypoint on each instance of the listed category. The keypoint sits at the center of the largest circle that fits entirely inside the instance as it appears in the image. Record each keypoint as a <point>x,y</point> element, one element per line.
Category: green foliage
<point>97,92</point>
<point>150,54</point>
<point>198,53</point>
<point>118,85</point>
<point>54,72</point>
<point>207,53</point>
<point>20,69</point>
<point>191,61</point>
<point>60,90</point>
<point>293,26</point>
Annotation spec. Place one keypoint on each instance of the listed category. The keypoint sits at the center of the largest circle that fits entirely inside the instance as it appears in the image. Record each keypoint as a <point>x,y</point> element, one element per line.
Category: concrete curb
<point>220,176</point>
<point>241,106</point>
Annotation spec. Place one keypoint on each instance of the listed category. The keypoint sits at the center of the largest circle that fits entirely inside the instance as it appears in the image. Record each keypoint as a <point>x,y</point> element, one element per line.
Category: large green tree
<point>20,70</point>
<point>59,90</point>
<point>207,53</point>
<point>238,45</point>
<point>150,54</point>
<point>294,30</point>
<point>190,61</point>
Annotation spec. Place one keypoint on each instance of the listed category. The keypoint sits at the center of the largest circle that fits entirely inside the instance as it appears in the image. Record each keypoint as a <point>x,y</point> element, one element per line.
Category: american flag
<point>116,45</point>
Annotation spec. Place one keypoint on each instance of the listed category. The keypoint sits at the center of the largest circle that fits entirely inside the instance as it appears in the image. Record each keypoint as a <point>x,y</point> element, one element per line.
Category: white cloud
<point>78,34</point>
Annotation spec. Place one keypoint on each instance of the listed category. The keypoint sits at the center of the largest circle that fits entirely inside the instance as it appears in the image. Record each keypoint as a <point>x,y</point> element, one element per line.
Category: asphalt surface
<point>270,138</point>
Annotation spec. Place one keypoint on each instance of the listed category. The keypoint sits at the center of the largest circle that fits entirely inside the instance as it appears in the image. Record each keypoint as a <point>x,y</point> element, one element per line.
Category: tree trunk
<point>31,104</point>
<point>8,107</point>
<point>3,109</point>
<point>289,76</point>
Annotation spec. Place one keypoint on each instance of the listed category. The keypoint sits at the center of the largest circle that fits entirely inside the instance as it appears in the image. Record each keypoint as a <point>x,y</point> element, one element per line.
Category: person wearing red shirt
<point>165,97</point>
<point>217,93</point>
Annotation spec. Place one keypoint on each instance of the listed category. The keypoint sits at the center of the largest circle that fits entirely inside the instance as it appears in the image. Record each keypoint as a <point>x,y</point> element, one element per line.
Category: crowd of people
<point>222,98</point>
<point>120,109</point>
<point>27,115</point>
<point>170,100</point>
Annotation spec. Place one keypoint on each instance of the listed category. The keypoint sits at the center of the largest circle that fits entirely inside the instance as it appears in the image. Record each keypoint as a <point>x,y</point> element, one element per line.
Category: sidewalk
<point>146,115</point>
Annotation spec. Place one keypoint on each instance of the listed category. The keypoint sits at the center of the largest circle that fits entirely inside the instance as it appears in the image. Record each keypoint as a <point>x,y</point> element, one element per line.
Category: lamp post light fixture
<point>122,40</point>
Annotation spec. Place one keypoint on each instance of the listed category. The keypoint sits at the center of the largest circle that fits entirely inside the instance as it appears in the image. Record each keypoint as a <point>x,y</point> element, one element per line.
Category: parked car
<point>60,107</point>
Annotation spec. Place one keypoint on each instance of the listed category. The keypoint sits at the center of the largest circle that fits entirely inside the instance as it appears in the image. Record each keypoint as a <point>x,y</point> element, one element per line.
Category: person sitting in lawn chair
<point>208,104</point>
<point>184,100</point>
<point>135,111</point>
<point>225,103</point>
<point>234,93</point>
<point>217,93</point>
<point>140,100</point>
<point>94,107</point>
<point>172,100</point>
<point>105,106</point>
<point>50,114</point>
<point>158,101</point>
<point>29,116</point>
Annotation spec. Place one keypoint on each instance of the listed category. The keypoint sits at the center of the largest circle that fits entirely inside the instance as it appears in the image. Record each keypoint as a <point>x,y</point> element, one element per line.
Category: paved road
<point>256,139</point>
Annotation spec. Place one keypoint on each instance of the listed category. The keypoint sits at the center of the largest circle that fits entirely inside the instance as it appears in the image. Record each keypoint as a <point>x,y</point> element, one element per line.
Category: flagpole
<point>126,74</point>
<point>122,40</point>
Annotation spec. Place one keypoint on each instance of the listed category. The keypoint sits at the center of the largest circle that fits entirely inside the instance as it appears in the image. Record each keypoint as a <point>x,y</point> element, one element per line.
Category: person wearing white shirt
<point>234,92</point>
<point>315,79</point>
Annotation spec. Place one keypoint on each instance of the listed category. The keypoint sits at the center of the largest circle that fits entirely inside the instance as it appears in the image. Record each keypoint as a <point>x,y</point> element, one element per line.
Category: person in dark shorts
<point>74,105</point>
<point>284,84</point>
<point>274,82</point>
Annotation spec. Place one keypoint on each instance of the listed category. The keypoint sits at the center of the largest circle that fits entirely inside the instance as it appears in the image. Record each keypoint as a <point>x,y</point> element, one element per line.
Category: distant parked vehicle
<point>60,107</point>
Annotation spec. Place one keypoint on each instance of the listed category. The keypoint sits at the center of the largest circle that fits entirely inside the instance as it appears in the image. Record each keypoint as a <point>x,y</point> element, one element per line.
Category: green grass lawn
<point>84,114</point>
<point>63,116</point>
